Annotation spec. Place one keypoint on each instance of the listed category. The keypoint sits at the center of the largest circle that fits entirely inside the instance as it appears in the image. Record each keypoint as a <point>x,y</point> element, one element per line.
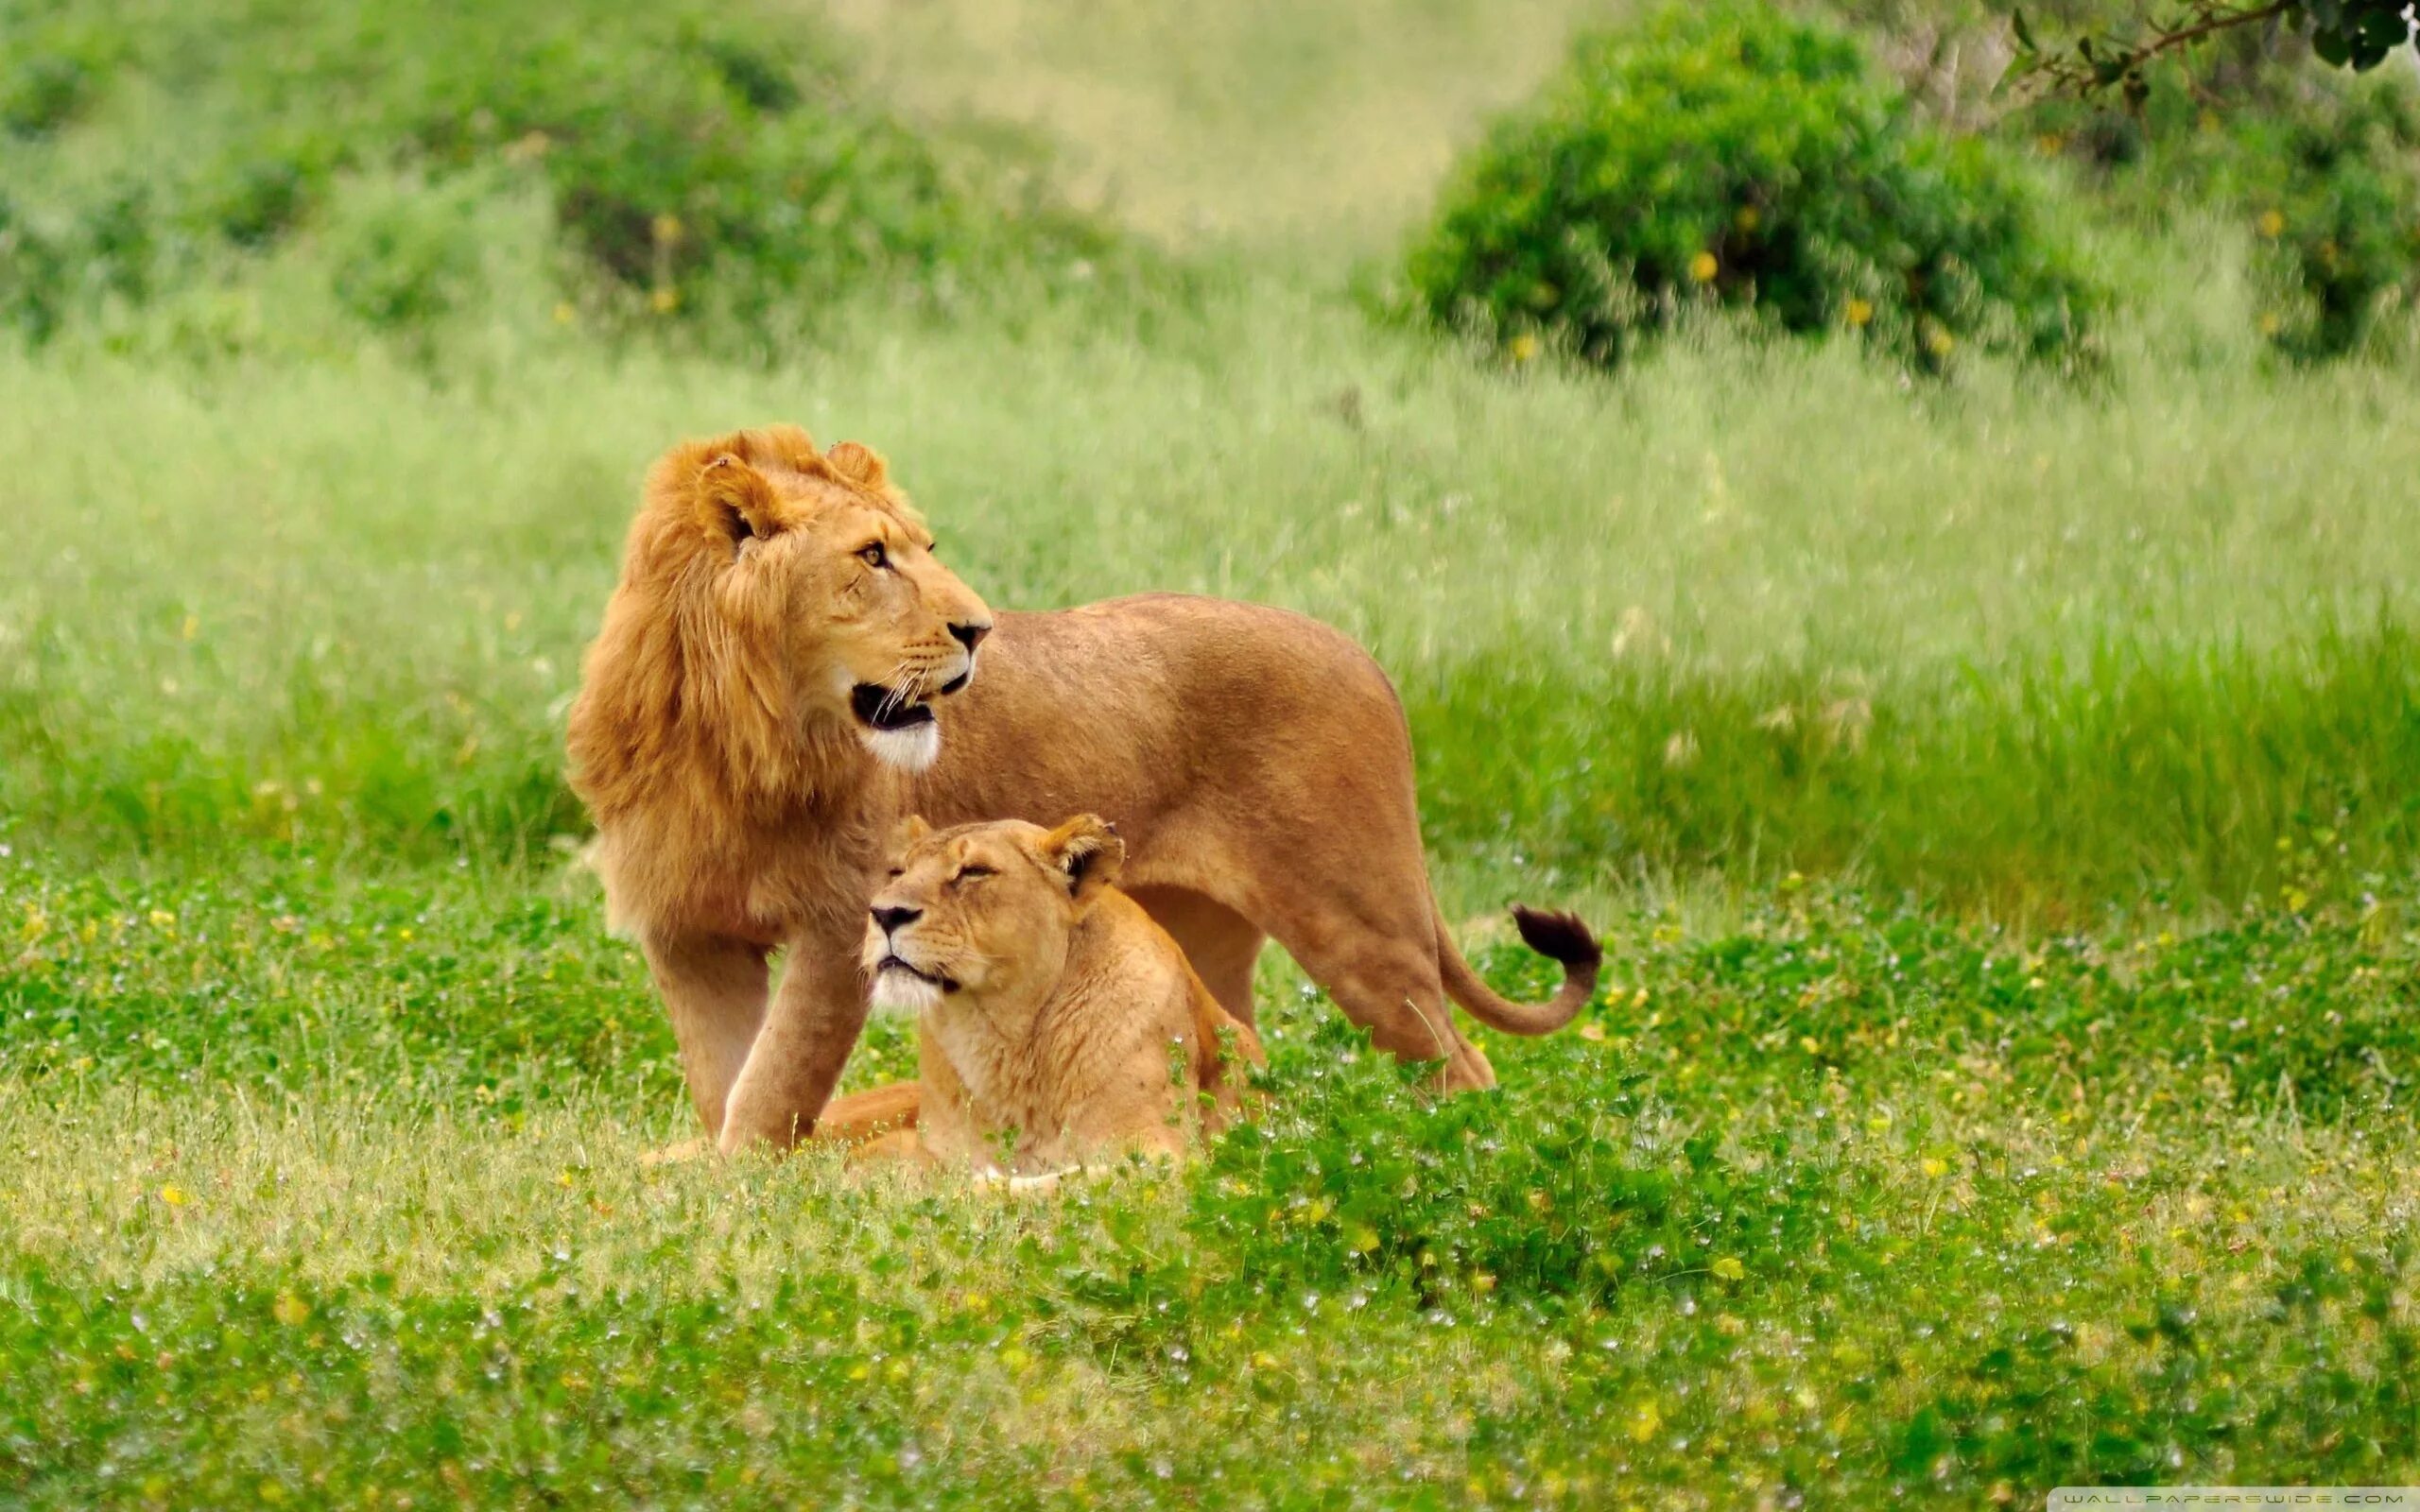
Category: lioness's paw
<point>675,1154</point>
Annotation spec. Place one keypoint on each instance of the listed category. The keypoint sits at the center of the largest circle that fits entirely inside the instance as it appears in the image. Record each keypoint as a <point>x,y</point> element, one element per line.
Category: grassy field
<point>1999,796</point>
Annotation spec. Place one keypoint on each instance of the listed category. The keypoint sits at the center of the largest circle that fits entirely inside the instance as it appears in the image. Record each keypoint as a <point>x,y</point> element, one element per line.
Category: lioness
<point>785,669</point>
<point>1055,1022</point>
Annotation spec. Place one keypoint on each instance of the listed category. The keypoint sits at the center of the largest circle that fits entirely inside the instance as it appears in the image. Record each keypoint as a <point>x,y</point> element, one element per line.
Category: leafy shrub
<point>715,164</point>
<point>406,262</point>
<point>41,93</point>
<point>2330,190</point>
<point>2321,171</point>
<point>259,198</point>
<point>1734,155</point>
<point>33,274</point>
<point>52,268</point>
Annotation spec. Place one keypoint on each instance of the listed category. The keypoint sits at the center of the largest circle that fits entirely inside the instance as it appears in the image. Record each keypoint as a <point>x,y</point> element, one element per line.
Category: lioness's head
<point>983,908</point>
<point>773,592</point>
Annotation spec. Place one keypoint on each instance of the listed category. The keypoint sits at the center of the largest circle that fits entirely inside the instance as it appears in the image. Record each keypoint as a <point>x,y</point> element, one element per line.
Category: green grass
<point>1833,1198</point>
<point>1998,795</point>
<point>2019,641</point>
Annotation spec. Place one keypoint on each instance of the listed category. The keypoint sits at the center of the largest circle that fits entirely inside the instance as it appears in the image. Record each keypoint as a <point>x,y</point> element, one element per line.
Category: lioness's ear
<point>1087,850</point>
<point>906,832</point>
<point>861,464</point>
<point>738,500</point>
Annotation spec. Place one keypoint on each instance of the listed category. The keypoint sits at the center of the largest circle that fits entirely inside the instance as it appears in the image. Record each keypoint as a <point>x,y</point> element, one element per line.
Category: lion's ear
<point>737,501</point>
<point>1088,852</point>
<point>906,832</point>
<point>861,465</point>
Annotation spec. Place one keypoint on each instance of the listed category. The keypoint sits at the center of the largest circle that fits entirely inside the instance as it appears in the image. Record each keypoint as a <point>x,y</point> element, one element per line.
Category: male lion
<point>786,670</point>
<point>1055,1022</point>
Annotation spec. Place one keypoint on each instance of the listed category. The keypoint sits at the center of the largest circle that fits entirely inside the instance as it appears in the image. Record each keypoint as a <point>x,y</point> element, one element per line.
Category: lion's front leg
<point>808,1033</point>
<point>713,988</point>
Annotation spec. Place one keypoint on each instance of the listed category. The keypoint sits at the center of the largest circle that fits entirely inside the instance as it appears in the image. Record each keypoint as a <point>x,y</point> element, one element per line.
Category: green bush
<point>713,171</point>
<point>41,93</point>
<point>1738,156</point>
<point>703,165</point>
<point>2331,192</point>
<point>407,261</point>
<point>260,199</point>
<point>33,274</point>
<point>2324,173</point>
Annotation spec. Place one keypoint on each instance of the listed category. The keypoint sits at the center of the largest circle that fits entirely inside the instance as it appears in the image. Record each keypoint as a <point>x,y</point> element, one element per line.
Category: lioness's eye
<point>873,555</point>
<point>972,874</point>
<point>897,872</point>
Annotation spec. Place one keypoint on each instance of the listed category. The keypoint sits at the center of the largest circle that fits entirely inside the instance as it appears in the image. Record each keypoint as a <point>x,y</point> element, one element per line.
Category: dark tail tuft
<point>1558,937</point>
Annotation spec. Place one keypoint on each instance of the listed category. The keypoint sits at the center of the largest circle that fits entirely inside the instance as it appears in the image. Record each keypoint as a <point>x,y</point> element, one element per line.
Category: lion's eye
<point>897,872</point>
<point>873,555</point>
<point>972,874</point>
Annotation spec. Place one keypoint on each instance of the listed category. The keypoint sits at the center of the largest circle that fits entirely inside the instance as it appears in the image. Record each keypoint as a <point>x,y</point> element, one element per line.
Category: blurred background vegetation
<point>1756,439</point>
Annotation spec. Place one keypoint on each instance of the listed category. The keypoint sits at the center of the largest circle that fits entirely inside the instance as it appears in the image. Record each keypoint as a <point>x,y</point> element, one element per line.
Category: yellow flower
<point>192,627</point>
<point>173,1195</point>
<point>664,300</point>
<point>564,312</point>
<point>161,919</point>
<point>1936,1167</point>
<point>1523,347</point>
<point>1703,267</point>
<point>667,229</point>
<point>2272,224</point>
<point>291,1310</point>
<point>1861,312</point>
<point>1644,1422</point>
<point>1938,340</point>
<point>1729,1268</point>
<point>2270,324</point>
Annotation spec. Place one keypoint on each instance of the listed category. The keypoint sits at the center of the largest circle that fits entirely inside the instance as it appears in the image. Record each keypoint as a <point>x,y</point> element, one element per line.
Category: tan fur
<point>1056,1023</point>
<point>1256,762</point>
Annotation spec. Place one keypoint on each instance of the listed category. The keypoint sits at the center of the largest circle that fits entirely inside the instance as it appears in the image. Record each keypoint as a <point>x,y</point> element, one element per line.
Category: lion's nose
<point>970,635</point>
<point>889,921</point>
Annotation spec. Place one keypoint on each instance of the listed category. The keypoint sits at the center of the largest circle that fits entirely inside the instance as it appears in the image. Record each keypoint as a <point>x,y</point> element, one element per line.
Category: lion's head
<point>778,605</point>
<point>983,908</point>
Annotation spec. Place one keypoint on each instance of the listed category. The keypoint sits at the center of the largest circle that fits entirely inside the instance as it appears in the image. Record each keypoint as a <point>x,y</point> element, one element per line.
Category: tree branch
<point>2225,20</point>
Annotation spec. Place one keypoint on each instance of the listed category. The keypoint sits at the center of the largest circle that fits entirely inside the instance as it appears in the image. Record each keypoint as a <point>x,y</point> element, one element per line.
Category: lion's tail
<point>1557,937</point>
